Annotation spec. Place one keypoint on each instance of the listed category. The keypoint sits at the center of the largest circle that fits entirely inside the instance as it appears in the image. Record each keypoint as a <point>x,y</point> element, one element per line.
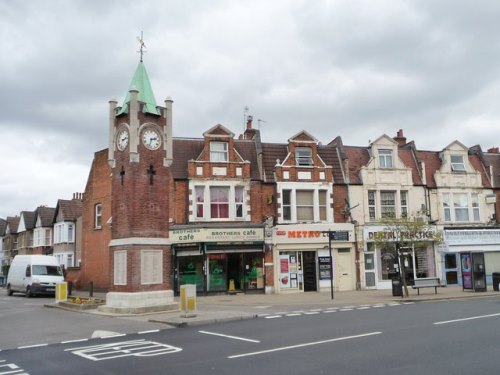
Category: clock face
<point>122,140</point>
<point>151,139</point>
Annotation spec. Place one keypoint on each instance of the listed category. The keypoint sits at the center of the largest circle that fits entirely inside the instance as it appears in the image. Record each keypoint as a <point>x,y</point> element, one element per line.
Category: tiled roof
<point>478,166</point>
<point>493,160</point>
<point>270,153</point>
<point>432,164</point>
<point>183,151</point>
<point>13,223</point>
<point>29,219</point>
<point>408,158</point>
<point>70,209</point>
<point>46,215</point>
<point>330,156</point>
<point>247,151</point>
<point>358,157</point>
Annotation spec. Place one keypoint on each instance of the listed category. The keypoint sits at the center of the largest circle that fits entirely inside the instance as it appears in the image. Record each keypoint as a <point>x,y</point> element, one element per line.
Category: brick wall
<point>95,252</point>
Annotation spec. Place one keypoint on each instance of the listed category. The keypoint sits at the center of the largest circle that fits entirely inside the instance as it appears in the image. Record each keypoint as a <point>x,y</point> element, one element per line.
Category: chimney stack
<point>493,150</point>
<point>400,138</point>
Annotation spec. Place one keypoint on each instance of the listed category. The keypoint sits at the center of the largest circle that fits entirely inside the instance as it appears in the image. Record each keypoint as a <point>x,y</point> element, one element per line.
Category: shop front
<point>381,262</point>
<point>219,259</point>
<point>469,255</point>
<point>302,257</point>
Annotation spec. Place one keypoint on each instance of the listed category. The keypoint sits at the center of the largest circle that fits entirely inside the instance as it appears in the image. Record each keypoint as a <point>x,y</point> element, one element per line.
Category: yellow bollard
<point>231,286</point>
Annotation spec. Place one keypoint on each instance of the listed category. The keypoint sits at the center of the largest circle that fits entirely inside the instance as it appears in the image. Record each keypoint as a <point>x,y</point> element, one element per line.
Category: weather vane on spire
<point>143,46</point>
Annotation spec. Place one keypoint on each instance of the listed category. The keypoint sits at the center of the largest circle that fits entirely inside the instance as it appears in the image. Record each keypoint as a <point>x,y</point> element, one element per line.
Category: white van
<point>34,274</point>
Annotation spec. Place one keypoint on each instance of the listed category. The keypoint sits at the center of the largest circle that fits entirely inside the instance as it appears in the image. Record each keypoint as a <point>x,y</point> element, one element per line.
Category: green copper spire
<point>141,83</point>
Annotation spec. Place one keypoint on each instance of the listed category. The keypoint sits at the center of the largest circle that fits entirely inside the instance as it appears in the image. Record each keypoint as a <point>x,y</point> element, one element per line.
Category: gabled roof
<point>46,215</point>
<point>303,136</point>
<point>140,82</point>
<point>270,153</point>
<point>69,209</point>
<point>185,149</point>
<point>13,223</point>
<point>28,220</point>
<point>219,130</point>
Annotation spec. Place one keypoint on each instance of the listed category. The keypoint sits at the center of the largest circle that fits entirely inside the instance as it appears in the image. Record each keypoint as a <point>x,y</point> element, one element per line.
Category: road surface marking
<point>363,308</point>
<point>464,319</point>
<point>136,348</point>
<point>303,345</point>
<point>349,309</point>
<point>311,313</point>
<point>11,369</point>
<point>72,341</point>
<point>32,346</point>
<point>294,314</point>
<point>273,316</point>
<point>228,336</point>
<point>150,331</point>
<point>329,311</point>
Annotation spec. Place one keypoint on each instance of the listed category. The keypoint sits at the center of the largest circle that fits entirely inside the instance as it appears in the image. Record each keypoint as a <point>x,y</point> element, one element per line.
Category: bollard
<point>91,289</point>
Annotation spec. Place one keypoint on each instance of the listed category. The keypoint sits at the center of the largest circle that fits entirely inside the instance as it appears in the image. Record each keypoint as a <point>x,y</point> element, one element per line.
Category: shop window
<point>457,163</point>
<point>303,156</point>
<point>217,273</point>
<point>191,271</point>
<point>385,158</point>
<point>219,152</point>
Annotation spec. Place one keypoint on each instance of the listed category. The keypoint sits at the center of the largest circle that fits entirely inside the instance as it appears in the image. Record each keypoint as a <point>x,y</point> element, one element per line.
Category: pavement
<point>228,307</point>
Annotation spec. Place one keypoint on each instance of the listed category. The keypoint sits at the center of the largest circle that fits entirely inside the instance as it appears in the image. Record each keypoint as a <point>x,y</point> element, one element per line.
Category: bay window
<point>304,205</point>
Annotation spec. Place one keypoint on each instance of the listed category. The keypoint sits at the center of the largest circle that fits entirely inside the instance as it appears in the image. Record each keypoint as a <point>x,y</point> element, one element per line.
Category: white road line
<point>273,316</point>
<point>379,305</point>
<point>311,313</point>
<point>346,309</point>
<point>150,331</point>
<point>465,319</point>
<point>363,308</point>
<point>71,341</point>
<point>315,309</point>
<point>31,346</point>
<point>332,308</point>
<point>228,336</point>
<point>408,303</point>
<point>115,335</point>
<point>303,345</point>
<point>329,311</point>
<point>294,314</point>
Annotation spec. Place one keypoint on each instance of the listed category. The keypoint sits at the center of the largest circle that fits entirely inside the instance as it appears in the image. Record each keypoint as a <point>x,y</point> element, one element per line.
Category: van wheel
<point>9,291</point>
<point>28,292</point>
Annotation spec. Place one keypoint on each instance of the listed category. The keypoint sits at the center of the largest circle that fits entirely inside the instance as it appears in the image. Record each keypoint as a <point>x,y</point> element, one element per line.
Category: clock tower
<point>140,155</point>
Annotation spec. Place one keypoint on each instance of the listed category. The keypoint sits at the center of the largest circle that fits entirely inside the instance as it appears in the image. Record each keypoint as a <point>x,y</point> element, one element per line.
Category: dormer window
<point>218,152</point>
<point>385,158</point>
<point>457,163</point>
<point>303,156</point>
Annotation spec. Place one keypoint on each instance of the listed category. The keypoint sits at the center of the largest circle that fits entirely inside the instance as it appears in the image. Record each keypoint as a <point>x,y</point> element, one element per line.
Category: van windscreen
<point>46,270</point>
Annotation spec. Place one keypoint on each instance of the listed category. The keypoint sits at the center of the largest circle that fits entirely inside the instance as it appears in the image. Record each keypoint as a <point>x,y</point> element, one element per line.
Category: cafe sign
<point>216,235</point>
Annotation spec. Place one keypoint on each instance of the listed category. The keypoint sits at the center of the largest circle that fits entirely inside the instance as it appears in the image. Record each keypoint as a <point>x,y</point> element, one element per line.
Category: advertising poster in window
<point>466,263</point>
<point>324,268</point>
<point>284,271</point>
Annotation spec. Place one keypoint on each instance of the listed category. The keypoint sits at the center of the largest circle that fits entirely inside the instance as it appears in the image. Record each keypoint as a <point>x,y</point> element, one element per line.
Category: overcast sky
<point>355,69</point>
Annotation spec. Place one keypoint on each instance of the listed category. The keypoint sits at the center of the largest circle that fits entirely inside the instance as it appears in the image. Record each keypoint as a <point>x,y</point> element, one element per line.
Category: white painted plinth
<point>139,302</point>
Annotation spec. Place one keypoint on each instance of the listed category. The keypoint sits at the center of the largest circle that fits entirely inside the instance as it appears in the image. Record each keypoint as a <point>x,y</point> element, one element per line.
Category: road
<point>451,337</point>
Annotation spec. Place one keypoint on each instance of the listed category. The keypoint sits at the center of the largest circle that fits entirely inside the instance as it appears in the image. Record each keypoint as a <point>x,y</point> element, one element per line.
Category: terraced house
<point>230,213</point>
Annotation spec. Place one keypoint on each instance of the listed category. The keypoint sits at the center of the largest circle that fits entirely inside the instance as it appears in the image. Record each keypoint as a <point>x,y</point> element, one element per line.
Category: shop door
<point>235,277</point>
<point>451,269</point>
<point>310,279</point>
<point>345,267</point>
<point>370,270</point>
